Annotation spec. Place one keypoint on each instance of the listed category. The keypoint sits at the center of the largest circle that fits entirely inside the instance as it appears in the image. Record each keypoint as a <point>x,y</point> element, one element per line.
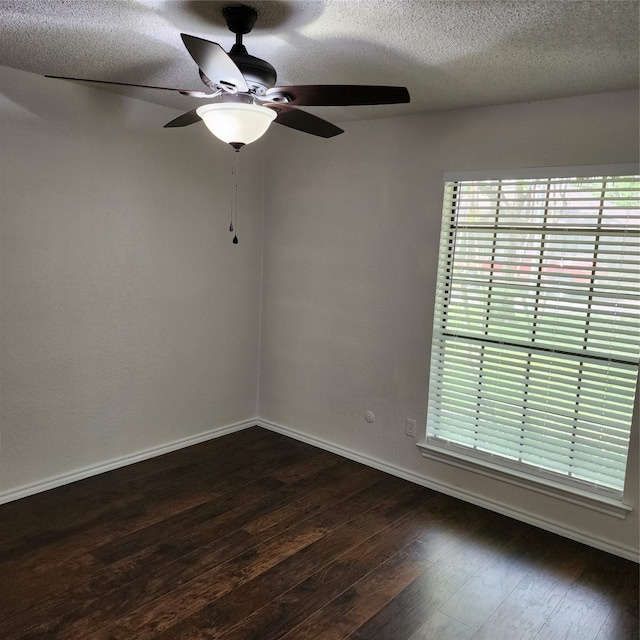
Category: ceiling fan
<point>248,98</point>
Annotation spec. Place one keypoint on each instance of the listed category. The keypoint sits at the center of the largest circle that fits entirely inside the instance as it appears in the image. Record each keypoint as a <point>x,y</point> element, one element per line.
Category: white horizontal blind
<point>536,332</point>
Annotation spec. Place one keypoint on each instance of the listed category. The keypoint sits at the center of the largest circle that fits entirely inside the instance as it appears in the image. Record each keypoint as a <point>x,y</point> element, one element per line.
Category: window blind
<point>536,336</point>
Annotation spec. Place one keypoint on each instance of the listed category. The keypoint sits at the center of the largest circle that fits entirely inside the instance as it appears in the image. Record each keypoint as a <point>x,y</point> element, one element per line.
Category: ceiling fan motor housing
<point>259,74</point>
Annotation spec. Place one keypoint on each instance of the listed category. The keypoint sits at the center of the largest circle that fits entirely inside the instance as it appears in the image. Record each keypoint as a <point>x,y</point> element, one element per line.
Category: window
<point>536,338</point>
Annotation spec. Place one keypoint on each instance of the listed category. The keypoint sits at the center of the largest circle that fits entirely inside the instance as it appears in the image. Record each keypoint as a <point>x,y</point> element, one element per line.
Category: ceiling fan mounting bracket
<point>240,18</point>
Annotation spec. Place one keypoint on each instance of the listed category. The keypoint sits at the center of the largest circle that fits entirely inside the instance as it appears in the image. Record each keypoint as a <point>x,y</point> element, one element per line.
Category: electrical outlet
<point>410,428</point>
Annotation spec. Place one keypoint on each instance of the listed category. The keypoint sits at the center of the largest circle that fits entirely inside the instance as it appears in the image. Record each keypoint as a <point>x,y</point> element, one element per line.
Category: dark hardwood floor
<point>257,536</point>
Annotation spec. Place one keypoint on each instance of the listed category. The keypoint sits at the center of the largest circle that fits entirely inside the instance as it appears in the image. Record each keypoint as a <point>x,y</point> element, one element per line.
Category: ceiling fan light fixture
<point>236,123</point>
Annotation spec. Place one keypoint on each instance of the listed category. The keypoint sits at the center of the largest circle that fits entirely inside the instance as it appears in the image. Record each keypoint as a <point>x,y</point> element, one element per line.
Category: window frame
<point>610,505</point>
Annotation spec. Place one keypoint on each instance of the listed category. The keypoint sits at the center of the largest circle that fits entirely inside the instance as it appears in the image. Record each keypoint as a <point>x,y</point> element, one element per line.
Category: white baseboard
<point>629,553</point>
<point>549,525</point>
<point>94,470</point>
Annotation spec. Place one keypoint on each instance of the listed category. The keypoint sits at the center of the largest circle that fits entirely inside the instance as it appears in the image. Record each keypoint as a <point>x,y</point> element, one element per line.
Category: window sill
<point>601,504</point>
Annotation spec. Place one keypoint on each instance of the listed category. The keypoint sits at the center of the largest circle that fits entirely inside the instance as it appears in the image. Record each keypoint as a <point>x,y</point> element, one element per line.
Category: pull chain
<point>234,199</point>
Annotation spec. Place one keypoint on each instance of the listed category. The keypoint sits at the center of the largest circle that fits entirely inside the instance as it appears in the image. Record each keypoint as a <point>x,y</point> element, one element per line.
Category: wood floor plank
<point>623,621</point>
<point>441,627</point>
<point>129,578</point>
<point>289,558</point>
<point>406,613</point>
<point>72,523</point>
<point>158,578</point>
<point>23,520</point>
<point>167,522</point>
<point>493,583</point>
<point>258,536</point>
<point>589,601</point>
<point>529,605</point>
<point>355,605</point>
<point>288,610</point>
<point>101,576</point>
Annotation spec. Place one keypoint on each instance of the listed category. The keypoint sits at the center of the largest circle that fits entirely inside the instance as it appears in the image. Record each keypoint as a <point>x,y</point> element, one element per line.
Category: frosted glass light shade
<point>237,123</point>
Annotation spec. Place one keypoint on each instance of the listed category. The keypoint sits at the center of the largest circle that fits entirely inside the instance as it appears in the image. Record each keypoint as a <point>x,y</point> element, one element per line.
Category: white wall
<point>350,249</point>
<point>128,318</point>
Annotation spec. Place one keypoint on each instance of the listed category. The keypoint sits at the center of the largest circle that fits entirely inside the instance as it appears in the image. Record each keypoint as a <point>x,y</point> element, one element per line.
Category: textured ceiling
<point>449,53</point>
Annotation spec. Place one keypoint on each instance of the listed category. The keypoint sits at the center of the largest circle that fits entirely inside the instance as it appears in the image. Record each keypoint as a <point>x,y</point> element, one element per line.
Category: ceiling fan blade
<point>214,62</point>
<point>188,92</point>
<point>191,117</point>
<point>303,121</point>
<point>339,95</point>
